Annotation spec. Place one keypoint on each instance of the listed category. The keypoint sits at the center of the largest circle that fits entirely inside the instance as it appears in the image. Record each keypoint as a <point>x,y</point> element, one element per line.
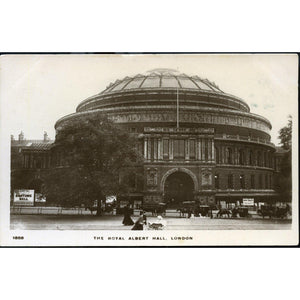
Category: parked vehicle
<point>203,210</point>
<point>273,212</point>
<point>155,209</point>
<point>224,211</point>
<point>240,211</point>
<point>187,208</point>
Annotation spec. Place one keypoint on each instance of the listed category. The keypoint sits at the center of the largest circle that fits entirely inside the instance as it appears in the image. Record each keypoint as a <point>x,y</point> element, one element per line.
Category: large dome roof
<point>153,98</point>
<point>161,78</point>
<point>159,87</point>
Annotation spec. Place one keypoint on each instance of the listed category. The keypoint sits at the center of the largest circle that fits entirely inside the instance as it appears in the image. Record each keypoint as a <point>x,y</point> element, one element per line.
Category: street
<point>112,222</point>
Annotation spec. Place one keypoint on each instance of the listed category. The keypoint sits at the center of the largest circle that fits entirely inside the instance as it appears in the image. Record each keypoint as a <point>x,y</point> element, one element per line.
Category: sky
<point>37,90</point>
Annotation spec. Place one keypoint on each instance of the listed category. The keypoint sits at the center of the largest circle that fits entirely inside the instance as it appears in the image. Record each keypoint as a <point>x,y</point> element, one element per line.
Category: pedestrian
<point>144,218</point>
<point>139,224</point>
<point>127,219</point>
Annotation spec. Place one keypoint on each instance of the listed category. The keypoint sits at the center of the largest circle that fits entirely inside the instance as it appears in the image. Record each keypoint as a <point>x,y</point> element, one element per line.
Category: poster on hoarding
<point>24,197</point>
<point>40,198</point>
<point>248,201</point>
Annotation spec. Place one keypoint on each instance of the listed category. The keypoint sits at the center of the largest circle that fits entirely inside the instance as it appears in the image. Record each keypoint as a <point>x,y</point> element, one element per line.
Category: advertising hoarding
<point>248,201</point>
<point>24,197</point>
<point>40,198</point>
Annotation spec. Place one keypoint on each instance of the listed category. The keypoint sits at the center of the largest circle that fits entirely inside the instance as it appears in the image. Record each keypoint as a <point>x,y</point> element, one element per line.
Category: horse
<point>224,211</point>
<point>155,210</point>
<point>267,211</point>
<point>183,211</point>
<point>91,209</point>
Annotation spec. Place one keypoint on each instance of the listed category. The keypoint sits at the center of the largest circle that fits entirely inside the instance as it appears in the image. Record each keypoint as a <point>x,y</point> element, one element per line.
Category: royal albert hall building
<point>198,142</point>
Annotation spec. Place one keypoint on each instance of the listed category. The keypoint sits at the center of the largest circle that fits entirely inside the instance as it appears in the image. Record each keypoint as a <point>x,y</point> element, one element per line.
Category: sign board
<point>24,197</point>
<point>111,199</point>
<point>223,204</point>
<point>248,201</point>
<point>40,198</point>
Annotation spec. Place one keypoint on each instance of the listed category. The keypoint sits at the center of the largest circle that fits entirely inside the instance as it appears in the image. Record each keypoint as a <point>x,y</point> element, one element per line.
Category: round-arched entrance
<point>178,187</point>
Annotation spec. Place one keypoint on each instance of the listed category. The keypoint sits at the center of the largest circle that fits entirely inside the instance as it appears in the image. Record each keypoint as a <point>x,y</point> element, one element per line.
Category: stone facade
<point>220,152</point>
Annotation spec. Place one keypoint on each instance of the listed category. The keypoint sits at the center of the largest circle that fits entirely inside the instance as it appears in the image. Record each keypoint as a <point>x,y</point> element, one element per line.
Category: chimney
<point>12,137</point>
<point>21,136</point>
<point>46,138</point>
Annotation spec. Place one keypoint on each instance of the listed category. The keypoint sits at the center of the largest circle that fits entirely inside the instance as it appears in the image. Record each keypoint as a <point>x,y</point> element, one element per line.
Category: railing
<point>243,138</point>
<point>44,210</point>
<point>39,210</point>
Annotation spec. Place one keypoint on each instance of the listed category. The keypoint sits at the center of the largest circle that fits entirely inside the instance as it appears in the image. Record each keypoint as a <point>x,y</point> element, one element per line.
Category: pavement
<point>114,222</point>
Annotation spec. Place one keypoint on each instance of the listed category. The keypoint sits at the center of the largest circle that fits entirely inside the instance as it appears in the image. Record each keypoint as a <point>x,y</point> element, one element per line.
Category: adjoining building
<point>198,142</point>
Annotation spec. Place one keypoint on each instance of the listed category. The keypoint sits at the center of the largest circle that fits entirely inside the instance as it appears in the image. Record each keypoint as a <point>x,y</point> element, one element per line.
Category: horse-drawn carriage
<point>273,212</point>
<point>241,211</point>
<point>237,211</point>
<point>155,209</point>
<point>187,208</point>
<point>202,210</point>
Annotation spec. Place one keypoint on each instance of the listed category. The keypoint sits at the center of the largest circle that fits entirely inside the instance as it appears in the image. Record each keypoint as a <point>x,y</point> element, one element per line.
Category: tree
<point>96,159</point>
<point>284,182</point>
<point>285,177</point>
<point>285,135</point>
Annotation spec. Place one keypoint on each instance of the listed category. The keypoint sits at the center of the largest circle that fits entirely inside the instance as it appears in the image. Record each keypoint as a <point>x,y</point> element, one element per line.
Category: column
<point>149,148</point>
<point>159,149</point>
<point>145,147</point>
<point>223,157</point>
<point>247,157</point>
<point>209,149</point>
<point>236,156</point>
<point>198,149</point>
<point>213,150</point>
<point>203,149</point>
<point>155,148</point>
<point>187,149</point>
<point>171,149</point>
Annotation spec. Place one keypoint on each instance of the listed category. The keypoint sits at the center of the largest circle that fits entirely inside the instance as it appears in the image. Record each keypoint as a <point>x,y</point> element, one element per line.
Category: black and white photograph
<point>149,149</point>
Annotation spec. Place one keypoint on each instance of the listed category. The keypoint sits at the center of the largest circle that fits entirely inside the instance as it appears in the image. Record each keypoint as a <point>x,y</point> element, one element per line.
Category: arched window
<point>252,181</point>
<point>242,181</point>
<point>270,161</point>
<point>38,162</point>
<point>217,181</point>
<point>192,149</point>
<point>260,181</point>
<point>259,158</point>
<point>217,155</point>
<point>266,181</point>
<point>241,157</point>
<point>265,159</point>
<point>229,158</point>
<point>230,181</point>
<point>251,158</point>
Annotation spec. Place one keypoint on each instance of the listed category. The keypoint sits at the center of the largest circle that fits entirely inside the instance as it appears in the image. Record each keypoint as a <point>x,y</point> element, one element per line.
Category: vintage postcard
<point>149,149</point>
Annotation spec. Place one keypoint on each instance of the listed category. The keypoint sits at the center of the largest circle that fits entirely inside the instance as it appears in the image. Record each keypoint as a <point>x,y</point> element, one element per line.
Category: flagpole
<point>177,109</point>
